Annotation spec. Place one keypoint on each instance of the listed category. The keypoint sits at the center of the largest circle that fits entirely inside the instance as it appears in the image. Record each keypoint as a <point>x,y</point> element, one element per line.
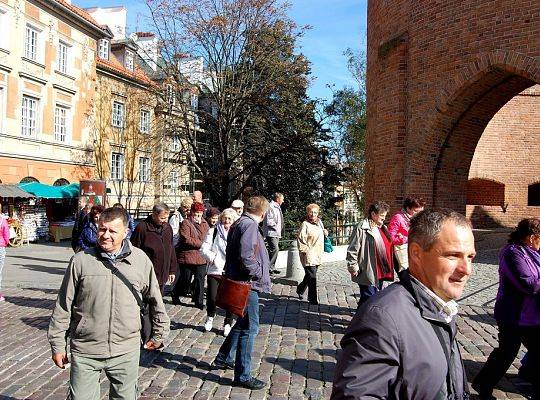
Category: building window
<point>61,122</point>
<point>145,121</point>
<point>63,53</point>
<point>103,51</point>
<point>4,28</point>
<point>117,166</point>
<point>129,60</point>
<point>533,195</point>
<point>174,178</point>
<point>144,169</point>
<point>61,182</point>
<point>175,143</point>
<point>30,107</point>
<point>31,43</point>
<point>118,114</point>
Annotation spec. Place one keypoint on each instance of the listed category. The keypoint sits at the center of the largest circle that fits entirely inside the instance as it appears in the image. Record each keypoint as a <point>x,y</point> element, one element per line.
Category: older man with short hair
<point>100,315</point>
<point>401,344</point>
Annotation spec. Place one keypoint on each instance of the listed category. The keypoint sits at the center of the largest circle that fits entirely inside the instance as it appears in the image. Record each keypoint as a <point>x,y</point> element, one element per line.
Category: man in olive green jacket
<point>101,315</point>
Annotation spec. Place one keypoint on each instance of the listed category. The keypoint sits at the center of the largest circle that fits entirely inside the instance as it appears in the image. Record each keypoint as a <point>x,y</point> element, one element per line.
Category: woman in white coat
<point>213,250</point>
<point>311,247</point>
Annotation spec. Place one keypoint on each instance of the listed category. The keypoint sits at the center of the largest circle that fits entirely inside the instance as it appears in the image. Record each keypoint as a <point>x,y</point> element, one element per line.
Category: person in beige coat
<point>311,246</point>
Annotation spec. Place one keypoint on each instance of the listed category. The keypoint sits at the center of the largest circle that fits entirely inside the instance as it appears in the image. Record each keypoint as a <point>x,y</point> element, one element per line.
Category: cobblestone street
<point>295,349</point>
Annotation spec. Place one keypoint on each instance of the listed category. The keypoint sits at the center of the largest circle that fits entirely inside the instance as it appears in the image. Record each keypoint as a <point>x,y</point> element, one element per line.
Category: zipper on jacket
<point>110,313</point>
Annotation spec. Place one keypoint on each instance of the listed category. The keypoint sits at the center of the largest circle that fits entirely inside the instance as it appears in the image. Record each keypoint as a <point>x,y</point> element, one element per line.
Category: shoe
<point>483,393</point>
<point>274,271</point>
<point>2,298</point>
<point>315,303</point>
<point>208,324</point>
<point>251,383</point>
<point>176,301</point>
<point>218,364</point>
<point>227,329</point>
<point>300,295</point>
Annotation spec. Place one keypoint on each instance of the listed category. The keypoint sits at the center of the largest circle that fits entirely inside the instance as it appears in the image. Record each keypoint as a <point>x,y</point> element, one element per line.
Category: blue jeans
<point>366,291</point>
<point>238,346</point>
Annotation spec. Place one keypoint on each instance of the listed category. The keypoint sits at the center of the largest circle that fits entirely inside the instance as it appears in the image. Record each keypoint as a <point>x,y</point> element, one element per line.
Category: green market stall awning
<point>50,191</point>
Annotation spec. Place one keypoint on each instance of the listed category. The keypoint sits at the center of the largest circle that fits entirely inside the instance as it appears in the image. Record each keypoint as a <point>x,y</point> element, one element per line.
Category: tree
<point>253,120</point>
<point>347,116</point>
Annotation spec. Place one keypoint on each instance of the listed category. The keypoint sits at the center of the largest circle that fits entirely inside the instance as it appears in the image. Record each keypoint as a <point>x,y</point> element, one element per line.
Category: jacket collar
<point>152,226</point>
<point>124,254</point>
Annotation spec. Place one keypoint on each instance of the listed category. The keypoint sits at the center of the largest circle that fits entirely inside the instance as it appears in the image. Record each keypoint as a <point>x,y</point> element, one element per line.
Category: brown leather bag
<point>232,295</point>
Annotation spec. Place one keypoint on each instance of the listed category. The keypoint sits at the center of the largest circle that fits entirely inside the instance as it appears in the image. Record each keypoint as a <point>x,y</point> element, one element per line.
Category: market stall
<point>59,205</point>
<point>13,201</point>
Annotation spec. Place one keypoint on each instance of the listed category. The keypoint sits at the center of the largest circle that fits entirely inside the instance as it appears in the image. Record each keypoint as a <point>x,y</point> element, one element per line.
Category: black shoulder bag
<point>146,321</point>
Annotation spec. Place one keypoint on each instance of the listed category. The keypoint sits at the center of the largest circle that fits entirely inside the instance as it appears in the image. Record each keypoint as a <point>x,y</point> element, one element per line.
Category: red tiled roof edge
<point>80,12</point>
<point>137,75</point>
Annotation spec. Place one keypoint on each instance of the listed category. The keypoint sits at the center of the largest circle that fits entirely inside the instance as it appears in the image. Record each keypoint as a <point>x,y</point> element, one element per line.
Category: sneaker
<point>208,324</point>
<point>251,383</point>
<point>2,298</point>
<point>217,364</point>
<point>483,393</point>
<point>226,330</point>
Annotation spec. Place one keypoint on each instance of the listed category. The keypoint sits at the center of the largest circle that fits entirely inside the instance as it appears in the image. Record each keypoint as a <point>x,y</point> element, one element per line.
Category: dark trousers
<point>186,273</point>
<point>238,346</point>
<point>273,250</point>
<point>198,272</point>
<point>366,291</point>
<point>309,282</point>
<point>211,292</point>
<point>510,339</point>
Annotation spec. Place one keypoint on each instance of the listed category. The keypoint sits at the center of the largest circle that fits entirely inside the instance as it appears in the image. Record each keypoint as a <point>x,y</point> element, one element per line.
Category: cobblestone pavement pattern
<point>295,350</point>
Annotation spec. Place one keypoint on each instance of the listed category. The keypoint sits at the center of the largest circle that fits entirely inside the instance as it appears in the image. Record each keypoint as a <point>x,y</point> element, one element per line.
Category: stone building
<point>438,73</point>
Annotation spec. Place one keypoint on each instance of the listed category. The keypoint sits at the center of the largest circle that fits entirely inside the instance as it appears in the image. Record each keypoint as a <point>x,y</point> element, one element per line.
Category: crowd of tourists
<point>401,343</point>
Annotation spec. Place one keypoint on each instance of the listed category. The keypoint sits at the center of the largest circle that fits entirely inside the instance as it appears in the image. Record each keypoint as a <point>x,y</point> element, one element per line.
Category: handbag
<point>232,295</point>
<point>402,257</point>
<point>146,321</point>
<point>328,248</point>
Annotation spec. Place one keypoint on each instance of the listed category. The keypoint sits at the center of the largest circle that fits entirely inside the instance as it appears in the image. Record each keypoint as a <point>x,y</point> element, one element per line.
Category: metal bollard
<point>295,272</point>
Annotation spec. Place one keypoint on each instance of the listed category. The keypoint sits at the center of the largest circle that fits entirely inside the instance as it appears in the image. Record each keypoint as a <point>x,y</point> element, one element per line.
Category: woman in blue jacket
<point>88,236</point>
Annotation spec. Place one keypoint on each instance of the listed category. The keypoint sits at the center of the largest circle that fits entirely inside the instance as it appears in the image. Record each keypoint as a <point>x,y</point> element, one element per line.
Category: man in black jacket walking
<point>401,344</point>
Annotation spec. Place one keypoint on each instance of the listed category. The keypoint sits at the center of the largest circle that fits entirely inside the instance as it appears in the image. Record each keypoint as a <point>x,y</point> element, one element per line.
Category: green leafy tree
<point>347,117</point>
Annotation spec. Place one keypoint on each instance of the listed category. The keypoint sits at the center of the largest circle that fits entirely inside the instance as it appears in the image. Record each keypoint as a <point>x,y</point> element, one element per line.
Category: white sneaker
<point>208,324</point>
<point>226,330</point>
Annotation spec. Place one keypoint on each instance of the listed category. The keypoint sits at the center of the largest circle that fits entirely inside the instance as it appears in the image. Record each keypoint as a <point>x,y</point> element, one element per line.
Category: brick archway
<point>436,76</point>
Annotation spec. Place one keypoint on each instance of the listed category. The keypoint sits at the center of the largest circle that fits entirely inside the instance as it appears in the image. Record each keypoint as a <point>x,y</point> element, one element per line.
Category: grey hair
<point>160,207</point>
<point>229,212</point>
<point>277,196</point>
<point>426,225</point>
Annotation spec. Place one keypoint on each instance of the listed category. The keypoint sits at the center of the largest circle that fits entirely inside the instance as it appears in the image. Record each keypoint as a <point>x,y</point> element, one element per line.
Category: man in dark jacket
<point>246,259</point>
<point>401,344</point>
<point>154,237</point>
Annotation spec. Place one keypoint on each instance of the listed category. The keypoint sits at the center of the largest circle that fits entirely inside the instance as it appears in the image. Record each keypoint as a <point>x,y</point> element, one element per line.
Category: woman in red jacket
<point>190,261</point>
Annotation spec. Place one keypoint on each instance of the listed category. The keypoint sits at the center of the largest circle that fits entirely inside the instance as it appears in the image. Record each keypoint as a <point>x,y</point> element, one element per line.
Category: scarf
<point>380,250</point>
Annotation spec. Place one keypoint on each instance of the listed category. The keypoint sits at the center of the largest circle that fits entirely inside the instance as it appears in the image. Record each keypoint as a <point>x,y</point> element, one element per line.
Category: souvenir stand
<point>59,205</point>
<point>15,203</point>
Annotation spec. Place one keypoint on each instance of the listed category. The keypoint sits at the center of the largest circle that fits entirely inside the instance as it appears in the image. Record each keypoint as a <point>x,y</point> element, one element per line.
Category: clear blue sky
<point>336,25</point>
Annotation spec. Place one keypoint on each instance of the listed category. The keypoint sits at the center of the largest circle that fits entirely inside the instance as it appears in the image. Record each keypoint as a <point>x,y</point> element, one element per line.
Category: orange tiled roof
<point>80,12</point>
<point>114,66</point>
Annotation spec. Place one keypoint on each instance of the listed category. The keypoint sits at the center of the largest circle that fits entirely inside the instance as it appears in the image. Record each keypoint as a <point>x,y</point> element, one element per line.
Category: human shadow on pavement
<point>510,383</point>
<point>49,260</point>
<point>31,302</point>
<point>43,268</point>
<point>41,322</point>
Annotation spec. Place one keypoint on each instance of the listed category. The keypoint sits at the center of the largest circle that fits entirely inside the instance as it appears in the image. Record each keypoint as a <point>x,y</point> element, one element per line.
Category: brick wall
<point>437,74</point>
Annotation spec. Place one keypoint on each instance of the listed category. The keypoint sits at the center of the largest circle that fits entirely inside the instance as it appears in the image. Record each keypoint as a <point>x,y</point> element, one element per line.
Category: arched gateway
<point>437,74</point>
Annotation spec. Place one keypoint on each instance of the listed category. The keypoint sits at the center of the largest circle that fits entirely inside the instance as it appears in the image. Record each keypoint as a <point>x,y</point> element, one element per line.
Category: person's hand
<point>325,232</point>
<point>60,359</point>
<point>171,279</point>
<point>353,274</point>
<point>151,345</point>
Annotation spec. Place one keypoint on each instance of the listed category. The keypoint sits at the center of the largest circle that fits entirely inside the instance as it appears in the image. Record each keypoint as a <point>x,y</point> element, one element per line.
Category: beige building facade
<point>47,88</point>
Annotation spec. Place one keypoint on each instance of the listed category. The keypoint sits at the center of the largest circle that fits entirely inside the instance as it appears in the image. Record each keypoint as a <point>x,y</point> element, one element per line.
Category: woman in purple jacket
<point>517,308</point>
